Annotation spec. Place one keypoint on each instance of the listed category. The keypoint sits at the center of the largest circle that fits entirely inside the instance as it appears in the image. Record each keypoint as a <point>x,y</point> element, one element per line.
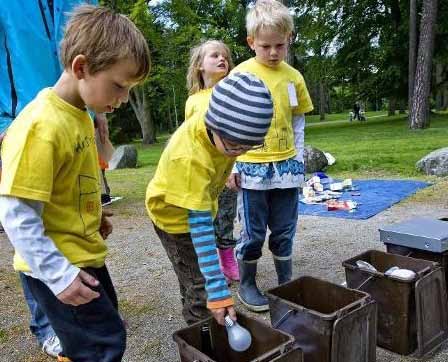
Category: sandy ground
<point>147,286</point>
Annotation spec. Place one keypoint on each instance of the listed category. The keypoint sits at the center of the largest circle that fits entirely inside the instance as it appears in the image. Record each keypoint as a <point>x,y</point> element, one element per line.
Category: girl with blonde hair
<point>210,62</point>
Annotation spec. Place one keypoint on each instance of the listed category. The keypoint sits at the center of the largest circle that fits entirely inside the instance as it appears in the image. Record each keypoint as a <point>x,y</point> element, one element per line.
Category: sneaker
<point>105,199</point>
<point>62,358</point>
<point>52,346</point>
<point>228,263</point>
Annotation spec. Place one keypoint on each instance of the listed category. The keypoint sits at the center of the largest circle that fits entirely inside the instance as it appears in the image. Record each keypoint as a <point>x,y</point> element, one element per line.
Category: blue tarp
<point>375,196</point>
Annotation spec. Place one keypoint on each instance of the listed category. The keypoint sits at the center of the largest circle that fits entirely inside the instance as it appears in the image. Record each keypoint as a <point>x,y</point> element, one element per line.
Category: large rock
<point>315,159</point>
<point>434,163</point>
<point>124,157</point>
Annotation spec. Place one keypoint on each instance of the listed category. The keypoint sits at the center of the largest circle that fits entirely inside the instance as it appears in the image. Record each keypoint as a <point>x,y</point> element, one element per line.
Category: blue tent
<point>30,34</point>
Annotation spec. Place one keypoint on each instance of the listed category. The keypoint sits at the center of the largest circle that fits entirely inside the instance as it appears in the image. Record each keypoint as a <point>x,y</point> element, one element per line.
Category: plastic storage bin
<point>330,323</point>
<point>268,344</point>
<point>411,314</point>
<point>441,258</point>
<point>419,238</point>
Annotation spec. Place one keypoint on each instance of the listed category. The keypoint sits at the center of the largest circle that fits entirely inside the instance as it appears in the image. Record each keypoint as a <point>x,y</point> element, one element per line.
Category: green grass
<point>380,147</point>
<point>315,118</point>
<point>149,155</point>
<point>3,336</point>
<point>131,183</point>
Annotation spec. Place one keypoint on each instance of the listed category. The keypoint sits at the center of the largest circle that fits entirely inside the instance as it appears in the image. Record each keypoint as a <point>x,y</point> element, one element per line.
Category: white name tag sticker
<point>293,102</point>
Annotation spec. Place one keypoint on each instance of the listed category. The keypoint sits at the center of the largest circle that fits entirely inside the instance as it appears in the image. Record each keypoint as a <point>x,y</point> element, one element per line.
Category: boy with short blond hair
<point>50,190</point>
<point>269,178</point>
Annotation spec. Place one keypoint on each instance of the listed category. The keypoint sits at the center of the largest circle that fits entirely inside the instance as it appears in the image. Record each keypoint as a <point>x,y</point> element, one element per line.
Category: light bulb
<point>239,337</point>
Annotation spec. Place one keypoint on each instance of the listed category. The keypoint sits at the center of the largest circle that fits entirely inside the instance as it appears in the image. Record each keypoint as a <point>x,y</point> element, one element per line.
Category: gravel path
<point>147,286</point>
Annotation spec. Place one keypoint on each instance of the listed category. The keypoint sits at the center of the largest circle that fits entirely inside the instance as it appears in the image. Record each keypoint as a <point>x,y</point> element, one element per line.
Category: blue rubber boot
<point>283,269</point>
<point>248,292</point>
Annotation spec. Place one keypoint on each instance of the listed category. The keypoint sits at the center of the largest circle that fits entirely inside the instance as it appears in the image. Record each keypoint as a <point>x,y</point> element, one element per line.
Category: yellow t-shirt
<point>49,155</point>
<point>279,142</point>
<point>190,175</point>
<point>197,104</point>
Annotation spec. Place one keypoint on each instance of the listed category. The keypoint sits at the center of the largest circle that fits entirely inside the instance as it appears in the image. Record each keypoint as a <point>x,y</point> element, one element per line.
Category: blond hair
<point>195,82</point>
<point>271,15</point>
<point>104,38</point>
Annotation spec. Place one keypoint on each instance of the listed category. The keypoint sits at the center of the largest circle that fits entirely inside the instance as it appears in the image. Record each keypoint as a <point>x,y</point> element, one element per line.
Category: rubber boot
<point>228,263</point>
<point>248,292</point>
<point>283,269</point>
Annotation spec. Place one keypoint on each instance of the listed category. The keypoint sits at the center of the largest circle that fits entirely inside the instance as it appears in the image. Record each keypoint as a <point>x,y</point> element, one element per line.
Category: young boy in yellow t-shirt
<point>50,202</point>
<point>181,199</point>
<point>269,177</point>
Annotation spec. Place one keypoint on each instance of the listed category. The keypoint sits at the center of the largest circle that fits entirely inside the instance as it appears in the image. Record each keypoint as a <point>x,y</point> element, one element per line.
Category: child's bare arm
<point>106,226</point>
<point>103,127</point>
<point>220,313</point>
<point>234,182</point>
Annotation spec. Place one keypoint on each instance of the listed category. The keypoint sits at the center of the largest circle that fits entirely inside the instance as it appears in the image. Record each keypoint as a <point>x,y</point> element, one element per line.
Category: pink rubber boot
<point>228,264</point>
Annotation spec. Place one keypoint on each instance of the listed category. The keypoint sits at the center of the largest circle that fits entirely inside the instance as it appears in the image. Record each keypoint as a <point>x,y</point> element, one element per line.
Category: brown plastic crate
<point>330,323</point>
<point>411,314</point>
<point>441,258</point>
<point>268,344</point>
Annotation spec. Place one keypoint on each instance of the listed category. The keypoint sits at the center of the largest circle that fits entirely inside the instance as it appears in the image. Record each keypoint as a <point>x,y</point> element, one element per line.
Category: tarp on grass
<point>375,196</point>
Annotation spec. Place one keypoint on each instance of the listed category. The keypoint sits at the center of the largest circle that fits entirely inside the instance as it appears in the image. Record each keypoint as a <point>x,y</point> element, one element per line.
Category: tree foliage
<point>347,50</point>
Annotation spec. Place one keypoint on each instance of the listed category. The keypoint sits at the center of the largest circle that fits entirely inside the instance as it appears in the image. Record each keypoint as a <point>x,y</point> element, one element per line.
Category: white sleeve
<point>22,221</point>
<point>298,124</point>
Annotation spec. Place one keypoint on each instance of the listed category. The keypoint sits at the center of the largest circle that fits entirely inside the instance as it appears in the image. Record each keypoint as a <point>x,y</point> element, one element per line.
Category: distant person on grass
<point>356,111</point>
<point>181,199</point>
<point>50,202</point>
<point>268,178</point>
<point>209,63</point>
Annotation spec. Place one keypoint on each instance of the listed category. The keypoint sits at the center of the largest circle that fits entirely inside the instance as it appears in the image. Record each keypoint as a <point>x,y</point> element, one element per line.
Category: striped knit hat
<point>240,109</point>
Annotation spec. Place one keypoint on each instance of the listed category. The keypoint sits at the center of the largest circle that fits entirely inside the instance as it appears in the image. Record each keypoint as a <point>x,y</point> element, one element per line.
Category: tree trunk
<point>175,107</point>
<point>392,106</point>
<point>412,48</point>
<point>419,112</point>
<point>445,100</point>
<point>402,105</point>
<point>289,55</point>
<point>440,89</point>
<point>141,108</point>
<point>322,100</point>
<point>170,121</point>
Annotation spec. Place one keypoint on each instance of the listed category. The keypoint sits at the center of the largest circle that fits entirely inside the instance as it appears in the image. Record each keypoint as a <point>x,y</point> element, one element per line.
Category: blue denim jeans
<point>39,323</point>
<point>260,209</point>
<point>92,332</point>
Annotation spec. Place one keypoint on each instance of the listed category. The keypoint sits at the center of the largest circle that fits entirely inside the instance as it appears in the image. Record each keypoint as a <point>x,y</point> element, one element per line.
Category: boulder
<point>434,163</point>
<point>124,157</point>
<point>315,159</point>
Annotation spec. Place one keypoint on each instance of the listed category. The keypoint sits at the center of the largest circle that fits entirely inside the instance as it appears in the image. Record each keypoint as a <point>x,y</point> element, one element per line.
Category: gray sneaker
<point>52,346</point>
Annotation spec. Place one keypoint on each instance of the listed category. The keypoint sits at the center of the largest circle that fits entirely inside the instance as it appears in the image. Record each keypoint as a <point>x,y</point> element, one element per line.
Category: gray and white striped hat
<point>240,109</point>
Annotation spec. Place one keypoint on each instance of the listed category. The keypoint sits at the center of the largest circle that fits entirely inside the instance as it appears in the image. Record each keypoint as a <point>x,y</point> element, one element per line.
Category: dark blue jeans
<point>92,332</point>
<point>258,210</point>
<point>39,323</point>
